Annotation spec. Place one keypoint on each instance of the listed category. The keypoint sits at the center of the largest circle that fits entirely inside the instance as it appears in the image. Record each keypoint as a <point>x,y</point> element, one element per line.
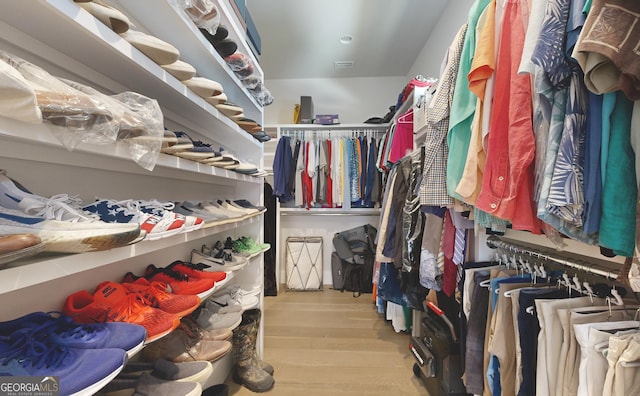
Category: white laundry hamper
<point>304,263</point>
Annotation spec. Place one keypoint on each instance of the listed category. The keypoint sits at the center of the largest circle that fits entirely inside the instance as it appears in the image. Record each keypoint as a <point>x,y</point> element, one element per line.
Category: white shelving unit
<point>68,42</point>
<point>323,222</point>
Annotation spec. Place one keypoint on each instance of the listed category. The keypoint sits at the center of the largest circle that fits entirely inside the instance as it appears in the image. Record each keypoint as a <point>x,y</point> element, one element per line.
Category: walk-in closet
<point>343,197</point>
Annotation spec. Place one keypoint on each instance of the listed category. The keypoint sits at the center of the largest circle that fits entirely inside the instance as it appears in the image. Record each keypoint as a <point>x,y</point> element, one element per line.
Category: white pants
<point>593,365</point>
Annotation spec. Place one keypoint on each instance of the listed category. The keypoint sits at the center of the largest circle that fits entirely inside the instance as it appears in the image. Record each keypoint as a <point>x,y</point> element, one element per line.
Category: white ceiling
<point>301,38</point>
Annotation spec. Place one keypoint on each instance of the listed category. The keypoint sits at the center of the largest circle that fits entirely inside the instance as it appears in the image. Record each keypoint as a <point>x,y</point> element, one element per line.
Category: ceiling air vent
<point>343,65</point>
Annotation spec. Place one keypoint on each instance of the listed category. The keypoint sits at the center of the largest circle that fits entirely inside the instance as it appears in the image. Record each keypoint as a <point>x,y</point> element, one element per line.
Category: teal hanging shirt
<point>463,105</point>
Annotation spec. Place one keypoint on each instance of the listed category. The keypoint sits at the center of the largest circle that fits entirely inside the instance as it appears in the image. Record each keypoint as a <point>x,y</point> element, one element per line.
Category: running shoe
<point>253,245</point>
<point>128,211</point>
<point>180,283</point>
<point>218,258</point>
<point>68,236</point>
<point>165,210</point>
<point>79,371</point>
<point>234,295</point>
<point>246,204</point>
<point>221,305</point>
<point>58,221</point>
<point>58,328</point>
<point>156,293</point>
<point>209,320</point>
<point>241,248</point>
<point>197,271</point>
<point>111,302</point>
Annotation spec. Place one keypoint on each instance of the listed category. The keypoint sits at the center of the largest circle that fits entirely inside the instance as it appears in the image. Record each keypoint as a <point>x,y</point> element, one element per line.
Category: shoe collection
<point>206,17</point>
<point>180,144</point>
<point>30,224</point>
<point>85,357</point>
<point>89,344</point>
<point>182,316</point>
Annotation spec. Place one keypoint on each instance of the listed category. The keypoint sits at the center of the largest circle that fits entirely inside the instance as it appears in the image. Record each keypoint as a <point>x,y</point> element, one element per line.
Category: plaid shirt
<point>433,190</point>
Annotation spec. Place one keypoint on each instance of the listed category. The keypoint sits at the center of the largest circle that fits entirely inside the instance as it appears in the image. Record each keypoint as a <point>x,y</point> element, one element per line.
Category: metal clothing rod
<point>494,242</point>
<point>332,132</point>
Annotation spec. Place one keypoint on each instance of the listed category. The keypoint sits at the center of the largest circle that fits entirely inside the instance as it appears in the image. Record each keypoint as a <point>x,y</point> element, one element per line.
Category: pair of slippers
<point>220,41</point>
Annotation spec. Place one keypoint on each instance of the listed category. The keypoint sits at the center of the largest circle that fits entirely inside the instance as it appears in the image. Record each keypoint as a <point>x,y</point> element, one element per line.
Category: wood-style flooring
<point>330,343</point>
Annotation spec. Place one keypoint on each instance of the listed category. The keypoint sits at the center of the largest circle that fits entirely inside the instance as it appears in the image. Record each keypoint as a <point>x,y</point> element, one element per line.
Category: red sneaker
<point>179,282</point>
<point>196,271</point>
<point>112,303</point>
<point>157,294</point>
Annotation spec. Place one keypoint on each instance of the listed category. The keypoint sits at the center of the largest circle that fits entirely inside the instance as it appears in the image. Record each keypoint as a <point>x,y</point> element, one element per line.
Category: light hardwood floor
<point>330,343</point>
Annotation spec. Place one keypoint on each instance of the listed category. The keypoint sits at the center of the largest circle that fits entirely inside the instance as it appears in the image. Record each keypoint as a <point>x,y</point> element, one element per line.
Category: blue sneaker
<point>58,328</point>
<point>80,372</point>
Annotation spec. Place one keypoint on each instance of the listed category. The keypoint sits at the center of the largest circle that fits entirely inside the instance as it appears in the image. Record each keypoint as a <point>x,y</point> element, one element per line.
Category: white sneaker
<point>233,295</point>
<point>128,211</point>
<point>165,210</point>
<point>68,236</point>
<point>211,321</point>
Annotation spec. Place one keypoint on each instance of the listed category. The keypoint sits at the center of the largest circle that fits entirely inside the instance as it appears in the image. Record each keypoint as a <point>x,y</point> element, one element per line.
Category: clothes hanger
<point>588,290</point>
<point>403,118</point>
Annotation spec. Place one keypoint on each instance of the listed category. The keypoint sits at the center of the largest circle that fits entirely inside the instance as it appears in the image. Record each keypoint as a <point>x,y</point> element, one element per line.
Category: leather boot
<point>255,315</point>
<point>245,372</point>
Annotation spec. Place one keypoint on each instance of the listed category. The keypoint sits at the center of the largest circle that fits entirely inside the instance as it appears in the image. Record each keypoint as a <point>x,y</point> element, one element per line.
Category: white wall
<point>324,226</point>
<point>453,17</point>
<point>354,99</point>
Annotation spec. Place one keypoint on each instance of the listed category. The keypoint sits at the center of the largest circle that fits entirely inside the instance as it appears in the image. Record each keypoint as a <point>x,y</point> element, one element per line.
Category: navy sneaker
<point>79,371</point>
<point>56,327</point>
<point>246,204</point>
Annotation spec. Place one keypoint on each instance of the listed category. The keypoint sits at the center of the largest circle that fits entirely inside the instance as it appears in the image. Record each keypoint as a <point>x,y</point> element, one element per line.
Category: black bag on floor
<point>352,244</point>
<point>337,271</point>
<point>358,278</point>
<point>356,249</point>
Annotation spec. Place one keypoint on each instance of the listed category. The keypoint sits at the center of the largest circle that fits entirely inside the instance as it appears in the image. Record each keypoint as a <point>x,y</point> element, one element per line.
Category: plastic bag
<point>204,13</point>
<point>264,97</point>
<point>79,115</point>
<point>137,121</point>
<point>145,144</point>
<point>252,82</point>
<point>17,98</point>
<point>240,64</point>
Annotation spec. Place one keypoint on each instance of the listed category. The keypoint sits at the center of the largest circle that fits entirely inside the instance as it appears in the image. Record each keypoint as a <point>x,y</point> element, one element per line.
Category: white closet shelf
<point>45,268</point>
<point>156,15</point>
<point>237,33</point>
<point>56,31</point>
<point>18,142</point>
